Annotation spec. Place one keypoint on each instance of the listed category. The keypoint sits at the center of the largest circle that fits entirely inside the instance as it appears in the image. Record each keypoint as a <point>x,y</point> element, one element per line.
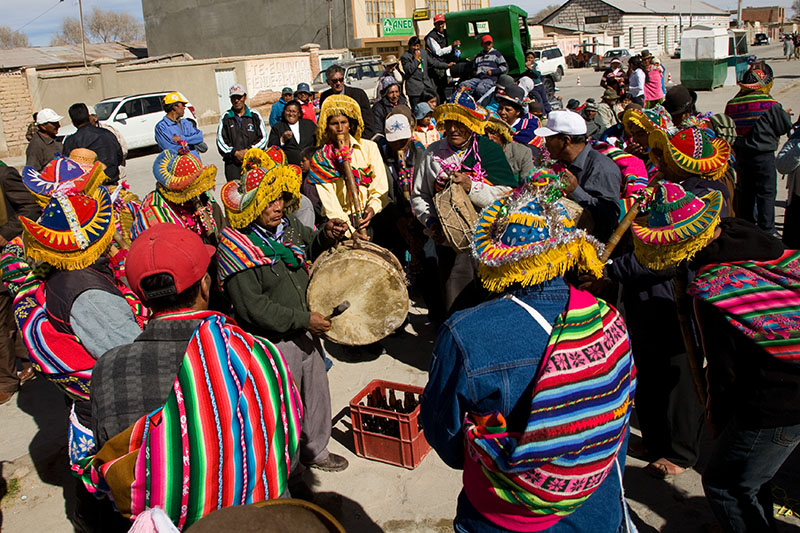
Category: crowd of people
<point>625,253</point>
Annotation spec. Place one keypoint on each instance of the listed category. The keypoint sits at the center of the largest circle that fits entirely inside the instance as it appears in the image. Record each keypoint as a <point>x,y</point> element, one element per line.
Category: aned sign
<point>397,27</point>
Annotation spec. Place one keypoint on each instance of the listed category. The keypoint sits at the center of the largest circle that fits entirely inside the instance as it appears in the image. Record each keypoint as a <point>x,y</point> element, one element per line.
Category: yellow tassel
<point>68,260</point>
<point>202,183</point>
<point>276,182</point>
<point>660,257</point>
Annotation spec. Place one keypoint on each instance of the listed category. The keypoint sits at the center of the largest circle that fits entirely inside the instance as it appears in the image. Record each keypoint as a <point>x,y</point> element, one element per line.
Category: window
<point>152,104</point>
<point>658,34</point>
<point>439,7</point>
<point>378,10</point>
<point>617,43</point>
<point>630,37</point>
<point>470,4</point>
<point>600,19</point>
<point>132,108</point>
<point>644,36</point>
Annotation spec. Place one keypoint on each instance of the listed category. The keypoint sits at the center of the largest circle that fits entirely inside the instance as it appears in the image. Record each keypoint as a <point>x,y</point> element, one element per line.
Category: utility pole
<point>739,15</point>
<point>83,34</point>
<point>330,24</point>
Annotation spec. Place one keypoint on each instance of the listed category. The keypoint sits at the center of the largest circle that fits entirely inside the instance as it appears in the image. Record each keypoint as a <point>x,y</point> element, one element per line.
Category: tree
<point>542,13</point>
<point>108,26</point>
<point>101,27</point>
<point>70,33</point>
<point>15,39</point>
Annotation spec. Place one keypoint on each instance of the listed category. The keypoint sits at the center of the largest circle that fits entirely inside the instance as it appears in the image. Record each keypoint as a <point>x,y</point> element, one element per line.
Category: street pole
<point>739,15</point>
<point>83,35</point>
<point>330,24</point>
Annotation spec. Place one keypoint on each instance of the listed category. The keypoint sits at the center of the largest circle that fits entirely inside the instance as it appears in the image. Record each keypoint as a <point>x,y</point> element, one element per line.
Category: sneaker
<point>332,463</point>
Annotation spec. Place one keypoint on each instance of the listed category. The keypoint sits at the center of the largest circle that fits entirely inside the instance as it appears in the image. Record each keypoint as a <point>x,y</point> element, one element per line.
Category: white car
<point>550,61</point>
<point>361,73</point>
<point>134,117</point>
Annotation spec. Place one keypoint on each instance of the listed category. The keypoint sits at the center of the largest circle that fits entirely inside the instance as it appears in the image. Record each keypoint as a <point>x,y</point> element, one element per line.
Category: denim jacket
<point>485,359</point>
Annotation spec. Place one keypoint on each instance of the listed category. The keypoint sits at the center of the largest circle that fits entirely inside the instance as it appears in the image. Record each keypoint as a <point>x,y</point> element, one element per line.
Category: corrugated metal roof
<point>72,54</point>
<point>653,7</point>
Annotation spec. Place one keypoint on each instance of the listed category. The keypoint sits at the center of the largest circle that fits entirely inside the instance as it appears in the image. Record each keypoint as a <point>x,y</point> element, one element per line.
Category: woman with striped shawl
<point>536,413</point>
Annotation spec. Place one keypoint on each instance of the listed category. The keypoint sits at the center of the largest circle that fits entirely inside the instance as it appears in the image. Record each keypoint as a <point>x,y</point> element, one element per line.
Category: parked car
<point>361,73</point>
<point>550,61</point>
<point>676,54</point>
<point>623,54</point>
<point>134,117</point>
<point>761,38</point>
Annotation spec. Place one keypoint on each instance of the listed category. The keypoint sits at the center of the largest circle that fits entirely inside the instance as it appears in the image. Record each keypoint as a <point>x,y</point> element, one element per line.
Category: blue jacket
<point>276,113</point>
<point>167,128</point>
<point>485,360</point>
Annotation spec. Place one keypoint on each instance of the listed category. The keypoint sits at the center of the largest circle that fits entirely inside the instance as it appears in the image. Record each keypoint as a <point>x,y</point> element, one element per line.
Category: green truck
<point>508,26</point>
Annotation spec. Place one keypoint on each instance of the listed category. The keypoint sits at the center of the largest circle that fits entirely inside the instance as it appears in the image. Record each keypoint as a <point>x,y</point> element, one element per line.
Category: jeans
<point>478,87</point>
<point>758,185</point>
<point>737,480</point>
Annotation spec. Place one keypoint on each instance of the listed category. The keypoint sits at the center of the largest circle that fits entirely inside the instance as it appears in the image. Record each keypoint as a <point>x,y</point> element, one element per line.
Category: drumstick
<point>619,232</point>
<point>339,309</point>
<point>352,191</point>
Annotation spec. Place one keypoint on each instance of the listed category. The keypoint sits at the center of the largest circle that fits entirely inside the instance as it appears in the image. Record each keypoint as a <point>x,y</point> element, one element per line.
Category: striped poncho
<point>578,419</point>
<point>746,109</point>
<point>760,299</point>
<point>155,209</point>
<point>225,436</point>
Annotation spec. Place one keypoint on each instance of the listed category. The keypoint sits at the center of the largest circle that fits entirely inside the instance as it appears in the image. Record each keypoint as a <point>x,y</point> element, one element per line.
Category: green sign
<point>397,27</point>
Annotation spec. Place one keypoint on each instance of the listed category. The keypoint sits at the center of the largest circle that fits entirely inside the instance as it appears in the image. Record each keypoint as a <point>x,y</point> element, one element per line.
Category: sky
<point>43,28</point>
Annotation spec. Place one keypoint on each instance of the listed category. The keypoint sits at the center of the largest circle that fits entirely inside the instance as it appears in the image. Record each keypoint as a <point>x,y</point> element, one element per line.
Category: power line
<point>40,16</point>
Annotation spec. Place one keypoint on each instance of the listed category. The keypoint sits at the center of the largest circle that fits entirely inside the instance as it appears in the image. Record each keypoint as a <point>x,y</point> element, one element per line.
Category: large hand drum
<point>457,216</point>
<point>371,279</point>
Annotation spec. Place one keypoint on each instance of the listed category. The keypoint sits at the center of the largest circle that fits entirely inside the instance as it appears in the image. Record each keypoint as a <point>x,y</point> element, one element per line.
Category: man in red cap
<point>436,44</point>
<point>167,268</point>
<point>487,65</point>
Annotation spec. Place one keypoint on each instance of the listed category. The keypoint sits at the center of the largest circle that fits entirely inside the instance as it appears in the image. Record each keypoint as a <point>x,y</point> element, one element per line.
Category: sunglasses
<point>336,80</point>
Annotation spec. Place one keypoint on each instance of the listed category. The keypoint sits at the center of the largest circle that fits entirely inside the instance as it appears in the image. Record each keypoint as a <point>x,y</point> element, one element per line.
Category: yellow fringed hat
<point>339,104</point>
<point>649,120</point>
<point>678,225</point>
<point>266,176</point>
<point>461,107</point>
<point>181,176</point>
<point>73,231</point>
<point>526,239</point>
<point>499,125</point>
<point>691,152</point>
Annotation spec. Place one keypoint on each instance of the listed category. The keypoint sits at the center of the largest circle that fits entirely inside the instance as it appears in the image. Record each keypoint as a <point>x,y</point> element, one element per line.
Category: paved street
<point>369,496</point>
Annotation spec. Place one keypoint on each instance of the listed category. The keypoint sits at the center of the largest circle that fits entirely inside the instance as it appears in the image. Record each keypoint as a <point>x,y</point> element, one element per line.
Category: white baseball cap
<point>397,128</point>
<point>47,115</point>
<point>565,122</point>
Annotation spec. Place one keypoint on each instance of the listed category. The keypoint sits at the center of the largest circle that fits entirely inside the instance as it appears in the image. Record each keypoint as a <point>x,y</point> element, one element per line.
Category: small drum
<point>371,279</point>
<point>583,219</point>
<point>457,216</point>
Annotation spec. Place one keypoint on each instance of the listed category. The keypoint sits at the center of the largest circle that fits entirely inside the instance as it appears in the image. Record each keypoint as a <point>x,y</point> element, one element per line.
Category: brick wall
<point>764,15</point>
<point>16,108</point>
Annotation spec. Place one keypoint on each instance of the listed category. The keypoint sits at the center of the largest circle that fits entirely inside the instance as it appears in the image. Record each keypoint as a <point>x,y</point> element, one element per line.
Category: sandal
<point>663,468</point>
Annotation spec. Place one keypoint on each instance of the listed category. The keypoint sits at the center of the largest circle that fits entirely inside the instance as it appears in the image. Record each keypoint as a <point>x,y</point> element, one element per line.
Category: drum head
<point>371,279</point>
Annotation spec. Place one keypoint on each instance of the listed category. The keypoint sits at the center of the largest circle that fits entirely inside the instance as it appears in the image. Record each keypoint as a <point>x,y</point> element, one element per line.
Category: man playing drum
<point>344,152</point>
<point>262,261</point>
<point>466,157</point>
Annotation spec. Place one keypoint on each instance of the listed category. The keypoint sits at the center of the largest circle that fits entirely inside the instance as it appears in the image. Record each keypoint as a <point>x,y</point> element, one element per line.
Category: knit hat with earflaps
<point>339,104</point>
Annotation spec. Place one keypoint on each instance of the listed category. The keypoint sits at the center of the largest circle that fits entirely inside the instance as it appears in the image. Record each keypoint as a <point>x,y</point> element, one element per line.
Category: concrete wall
<point>216,28</point>
<point>22,93</point>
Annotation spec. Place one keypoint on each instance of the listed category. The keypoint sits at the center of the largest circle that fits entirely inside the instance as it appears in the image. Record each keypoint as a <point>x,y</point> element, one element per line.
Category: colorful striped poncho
<point>326,164</point>
<point>746,109</point>
<point>225,436</point>
<point>760,299</point>
<point>240,250</point>
<point>156,209</point>
<point>635,176</point>
<point>578,419</point>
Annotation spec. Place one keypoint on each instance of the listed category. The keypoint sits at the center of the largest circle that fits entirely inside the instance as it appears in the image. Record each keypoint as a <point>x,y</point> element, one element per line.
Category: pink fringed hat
<point>678,225</point>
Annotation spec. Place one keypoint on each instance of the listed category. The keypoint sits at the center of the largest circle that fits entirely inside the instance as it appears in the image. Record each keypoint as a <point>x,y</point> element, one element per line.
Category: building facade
<point>637,24</point>
<point>767,19</point>
<point>223,28</point>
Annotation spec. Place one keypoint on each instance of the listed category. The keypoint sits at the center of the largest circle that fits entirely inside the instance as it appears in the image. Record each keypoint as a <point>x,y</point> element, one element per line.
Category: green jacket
<point>270,300</point>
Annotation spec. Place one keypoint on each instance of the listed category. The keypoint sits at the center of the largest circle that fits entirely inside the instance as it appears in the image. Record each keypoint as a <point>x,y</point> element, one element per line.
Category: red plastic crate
<point>409,449</point>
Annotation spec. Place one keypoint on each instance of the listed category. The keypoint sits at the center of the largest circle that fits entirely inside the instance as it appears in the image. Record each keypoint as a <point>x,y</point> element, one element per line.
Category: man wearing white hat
<point>43,146</point>
<point>593,180</point>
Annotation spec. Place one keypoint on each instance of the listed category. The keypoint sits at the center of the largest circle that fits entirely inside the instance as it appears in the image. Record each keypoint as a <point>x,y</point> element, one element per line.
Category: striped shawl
<point>746,109</point>
<point>578,419</point>
<point>225,436</point>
